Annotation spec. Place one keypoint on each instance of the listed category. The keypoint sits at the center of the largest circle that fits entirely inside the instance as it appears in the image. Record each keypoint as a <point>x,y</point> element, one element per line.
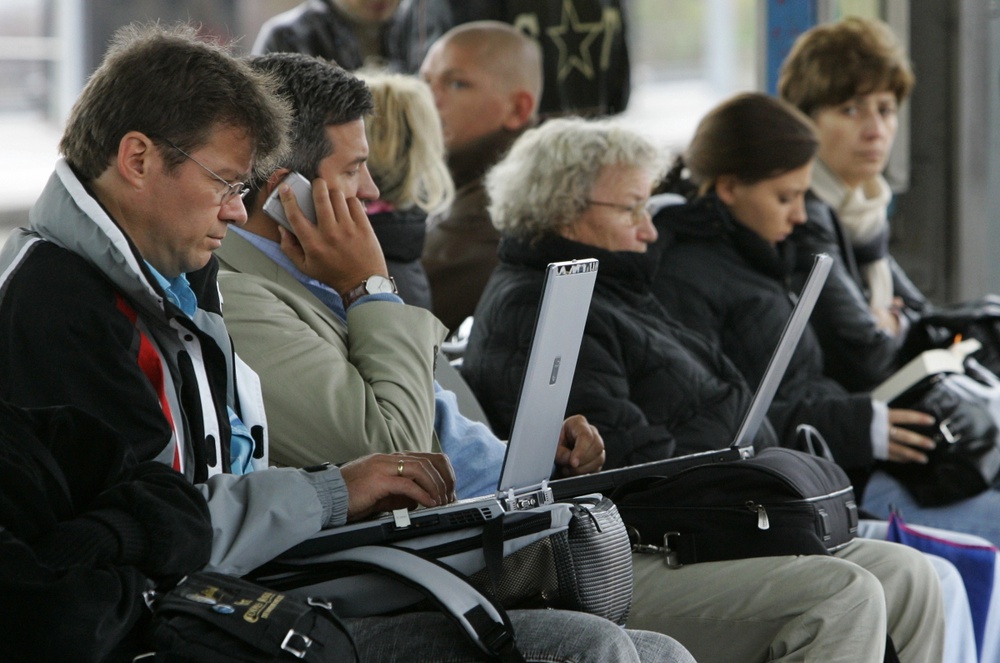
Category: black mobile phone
<point>302,189</point>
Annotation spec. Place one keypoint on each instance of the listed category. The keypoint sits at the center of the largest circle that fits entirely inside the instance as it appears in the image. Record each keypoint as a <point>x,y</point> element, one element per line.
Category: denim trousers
<point>543,636</point>
<point>978,515</point>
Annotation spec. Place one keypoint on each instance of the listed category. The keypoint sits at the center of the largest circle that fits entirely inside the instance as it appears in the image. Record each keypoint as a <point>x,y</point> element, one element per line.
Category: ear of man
<point>522,110</point>
<point>136,153</point>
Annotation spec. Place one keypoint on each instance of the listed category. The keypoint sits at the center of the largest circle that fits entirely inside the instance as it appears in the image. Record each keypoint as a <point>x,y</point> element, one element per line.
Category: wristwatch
<point>370,286</point>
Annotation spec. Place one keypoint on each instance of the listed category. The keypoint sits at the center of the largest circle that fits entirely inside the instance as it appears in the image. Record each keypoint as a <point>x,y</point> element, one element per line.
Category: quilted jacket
<point>722,280</point>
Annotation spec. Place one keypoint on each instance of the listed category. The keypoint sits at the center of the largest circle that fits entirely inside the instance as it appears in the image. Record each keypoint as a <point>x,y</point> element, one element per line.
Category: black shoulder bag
<point>779,502</point>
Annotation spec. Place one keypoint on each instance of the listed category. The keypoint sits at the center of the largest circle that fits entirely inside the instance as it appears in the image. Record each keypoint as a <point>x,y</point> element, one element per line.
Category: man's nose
<point>234,211</point>
<point>367,189</point>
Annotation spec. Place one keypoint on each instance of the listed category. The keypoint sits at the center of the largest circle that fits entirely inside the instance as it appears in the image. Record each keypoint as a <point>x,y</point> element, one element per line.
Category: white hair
<point>544,182</point>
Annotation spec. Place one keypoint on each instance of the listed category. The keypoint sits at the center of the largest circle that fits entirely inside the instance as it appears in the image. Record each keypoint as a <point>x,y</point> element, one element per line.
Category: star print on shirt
<point>574,40</point>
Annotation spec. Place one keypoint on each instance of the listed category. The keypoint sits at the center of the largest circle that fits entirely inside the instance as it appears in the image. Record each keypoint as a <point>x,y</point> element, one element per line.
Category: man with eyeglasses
<point>486,77</point>
<point>109,302</point>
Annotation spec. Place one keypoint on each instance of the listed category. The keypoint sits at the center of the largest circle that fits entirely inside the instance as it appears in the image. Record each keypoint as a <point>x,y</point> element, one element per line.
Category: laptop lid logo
<point>579,268</point>
<point>555,371</point>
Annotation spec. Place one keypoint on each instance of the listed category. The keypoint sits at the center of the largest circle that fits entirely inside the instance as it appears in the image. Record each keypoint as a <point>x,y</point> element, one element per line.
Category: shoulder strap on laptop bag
<point>480,619</point>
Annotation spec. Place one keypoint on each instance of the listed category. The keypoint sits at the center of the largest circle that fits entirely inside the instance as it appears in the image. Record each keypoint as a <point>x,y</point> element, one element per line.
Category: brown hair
<point>751,136</point>
<point>170,85</point>
<point>834,62</point>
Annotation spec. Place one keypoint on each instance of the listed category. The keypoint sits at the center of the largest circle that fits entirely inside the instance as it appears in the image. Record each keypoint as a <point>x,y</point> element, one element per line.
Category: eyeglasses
<point>637,212</point>
<point>233,189</point>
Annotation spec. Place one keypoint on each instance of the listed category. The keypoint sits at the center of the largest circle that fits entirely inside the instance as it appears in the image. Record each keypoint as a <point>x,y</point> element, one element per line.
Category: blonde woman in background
<point>406,160</point>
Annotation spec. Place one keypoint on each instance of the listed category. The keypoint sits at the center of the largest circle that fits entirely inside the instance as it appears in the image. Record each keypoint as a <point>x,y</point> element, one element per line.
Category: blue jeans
<point>543,636</point>
<point>979,514</point>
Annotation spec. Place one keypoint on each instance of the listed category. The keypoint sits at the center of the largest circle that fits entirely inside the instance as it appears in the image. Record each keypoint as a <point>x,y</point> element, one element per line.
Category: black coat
<point>652,388</point>
<point>859,354</point>
<point>78,547</point>
<point>722,280</point>
<point>401,234</point>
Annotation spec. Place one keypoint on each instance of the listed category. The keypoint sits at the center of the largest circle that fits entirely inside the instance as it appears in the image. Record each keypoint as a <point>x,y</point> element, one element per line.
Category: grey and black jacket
<point>84,323</point>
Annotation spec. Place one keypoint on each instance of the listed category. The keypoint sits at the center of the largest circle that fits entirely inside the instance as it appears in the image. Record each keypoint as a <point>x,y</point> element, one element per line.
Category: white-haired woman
<point>406,160</point>
<point>577,189</point>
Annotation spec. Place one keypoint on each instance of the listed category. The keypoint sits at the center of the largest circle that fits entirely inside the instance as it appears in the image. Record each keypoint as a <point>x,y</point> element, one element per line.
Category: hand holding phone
<point>302,190</point>
<point>342,250</point>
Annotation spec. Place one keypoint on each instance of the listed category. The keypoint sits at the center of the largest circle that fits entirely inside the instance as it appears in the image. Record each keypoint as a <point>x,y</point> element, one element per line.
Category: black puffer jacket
<point>725,282</point>
<point>651,387</point>
<point>859,354</point>
<point>77,547</point>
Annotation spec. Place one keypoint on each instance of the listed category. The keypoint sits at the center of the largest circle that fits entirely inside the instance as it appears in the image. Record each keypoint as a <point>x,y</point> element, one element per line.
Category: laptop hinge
<point>527,499</point>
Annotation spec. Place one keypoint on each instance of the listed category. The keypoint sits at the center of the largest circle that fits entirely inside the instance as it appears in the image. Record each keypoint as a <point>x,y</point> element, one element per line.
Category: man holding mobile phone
<point>347,368</point>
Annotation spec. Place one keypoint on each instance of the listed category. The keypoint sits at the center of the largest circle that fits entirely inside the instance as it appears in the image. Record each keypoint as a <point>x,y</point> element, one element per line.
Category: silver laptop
<point>538,418</point>
<point>742,446</point>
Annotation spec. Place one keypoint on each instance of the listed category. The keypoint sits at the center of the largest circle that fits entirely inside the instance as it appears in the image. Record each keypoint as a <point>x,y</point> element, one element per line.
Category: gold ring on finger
<point>399,469</point>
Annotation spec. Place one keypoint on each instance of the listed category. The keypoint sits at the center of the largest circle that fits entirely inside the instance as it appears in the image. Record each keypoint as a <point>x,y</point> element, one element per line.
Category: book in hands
<point>926,364</point>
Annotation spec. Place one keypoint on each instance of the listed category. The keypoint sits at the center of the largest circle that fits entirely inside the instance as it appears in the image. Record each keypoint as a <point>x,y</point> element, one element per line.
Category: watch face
<point>378,283</point>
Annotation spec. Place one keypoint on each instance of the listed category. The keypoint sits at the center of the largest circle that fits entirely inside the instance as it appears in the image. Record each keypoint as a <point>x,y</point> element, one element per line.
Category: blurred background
<point>686,56</point>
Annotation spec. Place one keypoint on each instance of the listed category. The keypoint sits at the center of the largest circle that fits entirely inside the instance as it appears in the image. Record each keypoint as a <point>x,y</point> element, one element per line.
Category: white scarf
<point>862,211</point>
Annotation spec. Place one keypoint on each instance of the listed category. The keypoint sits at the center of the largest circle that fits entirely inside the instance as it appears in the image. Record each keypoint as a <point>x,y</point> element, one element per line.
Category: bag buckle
<point>949,437</point>
<point>304,643</point>
<point>669,554</point>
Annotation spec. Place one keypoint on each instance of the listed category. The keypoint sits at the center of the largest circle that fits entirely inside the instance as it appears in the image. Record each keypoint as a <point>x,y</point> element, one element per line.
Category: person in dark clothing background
<point>584,42</point>
<point>352,33</point>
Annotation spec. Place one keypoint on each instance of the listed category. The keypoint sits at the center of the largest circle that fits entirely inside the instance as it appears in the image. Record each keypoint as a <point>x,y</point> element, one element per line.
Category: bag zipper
<point>762,519</point>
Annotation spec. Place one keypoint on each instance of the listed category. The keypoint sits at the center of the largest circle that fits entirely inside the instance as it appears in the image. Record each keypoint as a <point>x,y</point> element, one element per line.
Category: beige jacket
<point>330,395</point>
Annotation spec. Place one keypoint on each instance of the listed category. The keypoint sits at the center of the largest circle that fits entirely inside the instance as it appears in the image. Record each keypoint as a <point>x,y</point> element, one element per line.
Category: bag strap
<point>483,622</point>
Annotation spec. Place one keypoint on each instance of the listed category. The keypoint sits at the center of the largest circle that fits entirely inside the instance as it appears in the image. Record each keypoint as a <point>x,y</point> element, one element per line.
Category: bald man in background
<point>486,77</point>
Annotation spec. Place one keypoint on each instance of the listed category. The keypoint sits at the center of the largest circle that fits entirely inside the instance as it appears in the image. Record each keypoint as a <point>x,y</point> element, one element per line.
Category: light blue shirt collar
<point>178,291</point>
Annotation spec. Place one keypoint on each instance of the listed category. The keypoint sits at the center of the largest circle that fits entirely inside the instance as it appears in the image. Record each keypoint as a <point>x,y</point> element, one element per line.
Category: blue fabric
<point>975,515</point>
<point>177,290</point>
<point>241,443</point>
<point>976,565</point>
<point>474,451</point>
